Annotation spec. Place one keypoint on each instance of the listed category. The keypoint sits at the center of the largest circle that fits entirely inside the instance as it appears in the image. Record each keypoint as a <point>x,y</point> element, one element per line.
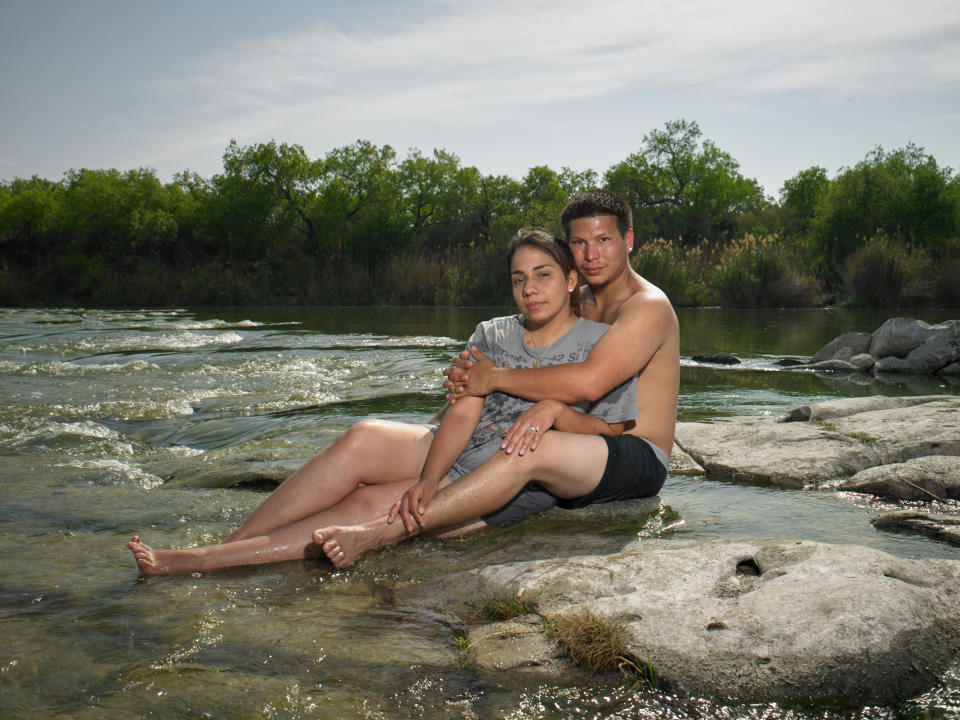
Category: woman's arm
<point>528,428</point>
<point>456,427</point>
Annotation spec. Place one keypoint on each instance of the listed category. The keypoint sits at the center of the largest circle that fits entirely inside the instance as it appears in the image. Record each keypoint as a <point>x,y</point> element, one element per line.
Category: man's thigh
<point>567,464</point>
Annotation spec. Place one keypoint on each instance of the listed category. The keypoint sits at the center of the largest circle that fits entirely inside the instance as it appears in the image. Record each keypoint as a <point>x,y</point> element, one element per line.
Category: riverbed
<point>172,424</point>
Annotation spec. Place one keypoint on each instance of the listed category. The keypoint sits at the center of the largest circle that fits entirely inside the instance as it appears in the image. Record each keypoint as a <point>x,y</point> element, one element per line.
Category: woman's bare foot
<point>162,562</point>
<point>345,544</point>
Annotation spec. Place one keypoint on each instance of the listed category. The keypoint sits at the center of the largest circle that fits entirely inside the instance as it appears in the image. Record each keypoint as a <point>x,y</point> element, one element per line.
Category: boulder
<point>900,345</point>
<point>772,620</point>
<point>823,445</point>
<point>832,409</point>
<point>863,362</point>
<point>937,526</point>
<point>940,349</point>
<point>844,347</point>
<point>898,336</point>
<point>935,477</point>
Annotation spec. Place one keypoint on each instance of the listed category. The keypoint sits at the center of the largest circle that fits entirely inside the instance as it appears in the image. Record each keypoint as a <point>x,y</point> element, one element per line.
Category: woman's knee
<point>362,436</point>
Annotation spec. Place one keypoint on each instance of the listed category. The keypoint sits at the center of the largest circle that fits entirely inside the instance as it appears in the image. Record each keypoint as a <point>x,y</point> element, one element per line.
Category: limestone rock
<point>844,347</point>
<point>951,369</point>
<point>898,336</point>
<point>834,442</point>
<point>683,464</point>
<point>516,644</point>
<point>934,477</point>
<point>832,365</point>
<point>769,619</point>
<point>939,349</point>
<point>937,526</point>
<point>863,362</point>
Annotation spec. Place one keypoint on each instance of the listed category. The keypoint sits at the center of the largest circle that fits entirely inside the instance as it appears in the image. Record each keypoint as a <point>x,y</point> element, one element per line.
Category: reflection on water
<point>170,423</point>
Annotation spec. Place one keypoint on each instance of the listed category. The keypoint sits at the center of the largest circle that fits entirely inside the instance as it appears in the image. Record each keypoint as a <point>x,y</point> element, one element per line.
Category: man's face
<point>600,251</point>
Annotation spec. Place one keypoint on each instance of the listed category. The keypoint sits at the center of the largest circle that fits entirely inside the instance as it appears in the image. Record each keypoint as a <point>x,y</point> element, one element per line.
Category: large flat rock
<point>768,620</point>
<point>823,444</point>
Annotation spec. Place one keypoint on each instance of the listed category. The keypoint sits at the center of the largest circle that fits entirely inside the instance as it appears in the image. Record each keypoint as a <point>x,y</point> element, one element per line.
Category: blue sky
<point>505,85</point>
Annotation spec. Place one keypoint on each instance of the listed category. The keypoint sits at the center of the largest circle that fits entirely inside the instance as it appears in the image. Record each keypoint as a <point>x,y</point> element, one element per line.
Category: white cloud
<point>471,63</point>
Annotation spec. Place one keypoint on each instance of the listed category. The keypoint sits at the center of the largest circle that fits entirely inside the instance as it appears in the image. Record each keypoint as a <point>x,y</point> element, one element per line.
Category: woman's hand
<point>413,504</point>
<point>529,427</point>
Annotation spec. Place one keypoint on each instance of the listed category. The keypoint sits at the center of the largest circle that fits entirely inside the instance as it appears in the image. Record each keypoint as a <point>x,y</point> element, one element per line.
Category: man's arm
<point>641,328</point>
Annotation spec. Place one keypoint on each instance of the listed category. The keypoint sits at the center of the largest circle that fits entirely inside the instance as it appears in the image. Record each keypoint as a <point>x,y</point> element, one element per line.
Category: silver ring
<point>535,428</point>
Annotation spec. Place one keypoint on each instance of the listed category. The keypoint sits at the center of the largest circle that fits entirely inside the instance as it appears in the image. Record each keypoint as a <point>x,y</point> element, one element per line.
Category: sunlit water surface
<point>172,424</point>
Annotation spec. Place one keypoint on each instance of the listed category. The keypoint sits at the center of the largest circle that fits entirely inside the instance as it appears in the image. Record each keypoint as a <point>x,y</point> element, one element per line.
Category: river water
<point>171,424</point>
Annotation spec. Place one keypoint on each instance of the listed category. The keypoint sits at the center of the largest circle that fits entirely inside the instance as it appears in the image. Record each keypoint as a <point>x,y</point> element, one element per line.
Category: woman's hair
<point>547,242</point>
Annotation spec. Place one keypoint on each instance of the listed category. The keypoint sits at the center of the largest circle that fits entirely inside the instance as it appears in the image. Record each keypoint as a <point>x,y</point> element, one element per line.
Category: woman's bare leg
<point>568,465</point>
<point>372,452</point>
<point>290,542</point>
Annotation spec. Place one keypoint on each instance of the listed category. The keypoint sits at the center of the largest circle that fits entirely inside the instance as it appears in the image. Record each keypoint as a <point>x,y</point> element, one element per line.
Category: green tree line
<point>361,225</point>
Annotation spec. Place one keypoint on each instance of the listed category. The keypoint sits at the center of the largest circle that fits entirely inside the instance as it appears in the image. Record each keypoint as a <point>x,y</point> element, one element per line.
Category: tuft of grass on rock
<point>598,644</point>
<point>504,607</point>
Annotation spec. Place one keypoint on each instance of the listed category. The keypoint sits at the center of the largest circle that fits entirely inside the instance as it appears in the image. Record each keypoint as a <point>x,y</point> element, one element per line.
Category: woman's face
<point>541,290</point>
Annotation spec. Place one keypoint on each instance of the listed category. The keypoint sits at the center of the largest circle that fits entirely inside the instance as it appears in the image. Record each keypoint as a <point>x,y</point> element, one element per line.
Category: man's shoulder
<point>648,304</point>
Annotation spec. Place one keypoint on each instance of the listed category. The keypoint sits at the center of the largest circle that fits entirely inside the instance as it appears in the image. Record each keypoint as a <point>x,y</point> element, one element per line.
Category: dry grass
<point>598,645</point>
<point>504,607</point>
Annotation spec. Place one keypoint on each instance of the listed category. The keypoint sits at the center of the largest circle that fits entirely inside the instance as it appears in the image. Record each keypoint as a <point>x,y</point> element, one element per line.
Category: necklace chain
<point>538,358</point>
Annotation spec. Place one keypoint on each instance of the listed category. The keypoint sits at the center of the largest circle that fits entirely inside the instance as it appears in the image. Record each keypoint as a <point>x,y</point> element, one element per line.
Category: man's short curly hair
<point>597,202</point>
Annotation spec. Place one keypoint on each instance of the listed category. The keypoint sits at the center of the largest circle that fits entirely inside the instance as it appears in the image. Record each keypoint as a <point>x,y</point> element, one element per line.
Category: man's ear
<point>628,239</point>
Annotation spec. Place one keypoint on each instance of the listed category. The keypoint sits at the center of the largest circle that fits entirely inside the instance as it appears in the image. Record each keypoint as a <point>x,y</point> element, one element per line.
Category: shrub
<point>885,273</point>
<point>675,270</point>
<point>763,272</point>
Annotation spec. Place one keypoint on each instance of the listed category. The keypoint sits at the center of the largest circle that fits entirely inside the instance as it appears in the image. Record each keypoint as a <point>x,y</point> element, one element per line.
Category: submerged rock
<point>717,358</point>
<point>819,445</point>
<point>935,525</point>
<point>769,619</point>
<point>935,477</point>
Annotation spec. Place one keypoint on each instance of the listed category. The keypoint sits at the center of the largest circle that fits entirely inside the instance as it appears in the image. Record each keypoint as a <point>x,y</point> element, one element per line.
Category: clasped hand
<point>467,376</point>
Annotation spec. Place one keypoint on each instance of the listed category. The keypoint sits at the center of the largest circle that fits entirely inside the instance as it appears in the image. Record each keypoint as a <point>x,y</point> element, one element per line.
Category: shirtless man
<point>578,470</point>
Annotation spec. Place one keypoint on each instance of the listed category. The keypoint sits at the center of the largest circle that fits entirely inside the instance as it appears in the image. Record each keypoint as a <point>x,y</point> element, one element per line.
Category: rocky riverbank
<point>770,619</point>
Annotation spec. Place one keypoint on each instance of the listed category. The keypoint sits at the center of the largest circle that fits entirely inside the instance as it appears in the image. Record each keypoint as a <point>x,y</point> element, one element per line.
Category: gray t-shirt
<point>501,340</point>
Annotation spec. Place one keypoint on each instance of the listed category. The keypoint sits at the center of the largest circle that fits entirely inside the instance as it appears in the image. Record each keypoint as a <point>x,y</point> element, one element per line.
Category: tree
<point>800,196</point>
<point>903,195</point>
<point>681,186</point>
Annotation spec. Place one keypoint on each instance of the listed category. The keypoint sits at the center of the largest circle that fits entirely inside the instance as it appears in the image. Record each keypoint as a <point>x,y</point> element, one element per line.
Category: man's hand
<point>457,375</point>
<point>413,504</point>
<point>529,427</point>
<point>470,377</point>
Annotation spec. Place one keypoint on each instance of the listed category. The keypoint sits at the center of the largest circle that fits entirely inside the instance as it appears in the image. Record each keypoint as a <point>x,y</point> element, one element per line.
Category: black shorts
<point>633,471</point>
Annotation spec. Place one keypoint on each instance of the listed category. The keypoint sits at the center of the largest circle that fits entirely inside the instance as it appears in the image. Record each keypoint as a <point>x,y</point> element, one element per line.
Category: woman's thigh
<point>372,451</point>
